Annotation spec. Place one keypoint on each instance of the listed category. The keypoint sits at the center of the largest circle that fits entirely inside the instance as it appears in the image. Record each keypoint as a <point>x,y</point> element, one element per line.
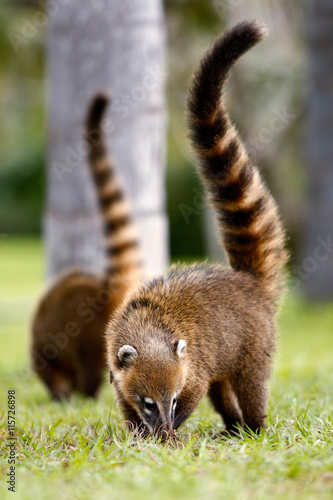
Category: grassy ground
<point>82,450</point>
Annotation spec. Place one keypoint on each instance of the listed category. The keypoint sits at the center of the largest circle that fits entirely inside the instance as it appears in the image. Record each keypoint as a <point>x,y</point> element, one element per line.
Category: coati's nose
<point>164,430</point>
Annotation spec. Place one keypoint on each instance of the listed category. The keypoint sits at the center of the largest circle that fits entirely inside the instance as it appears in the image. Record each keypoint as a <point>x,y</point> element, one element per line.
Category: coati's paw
<point>168,436</point>
<point>163,436</point>
<point>138,431</point>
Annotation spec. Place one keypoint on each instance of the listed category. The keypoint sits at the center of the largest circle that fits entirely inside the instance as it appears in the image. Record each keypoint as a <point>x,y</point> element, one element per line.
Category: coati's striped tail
<point>122,245</point>
<point>248,220</point>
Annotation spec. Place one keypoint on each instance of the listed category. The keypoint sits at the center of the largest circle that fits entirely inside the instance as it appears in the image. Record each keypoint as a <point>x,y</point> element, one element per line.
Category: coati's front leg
<point>132,419</point>
<point>188,400</point>
<point>252,393</point>
<point>58,380</point>
<point>225,402</point>
<point>89,373</point>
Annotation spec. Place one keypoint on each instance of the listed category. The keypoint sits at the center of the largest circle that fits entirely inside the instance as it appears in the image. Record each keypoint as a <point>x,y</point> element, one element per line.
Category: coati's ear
<point>127,355</point>
<point>180,348</point>
<point>111,377</point>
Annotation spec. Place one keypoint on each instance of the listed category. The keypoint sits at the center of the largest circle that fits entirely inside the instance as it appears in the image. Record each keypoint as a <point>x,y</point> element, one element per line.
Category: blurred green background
<point>191,26</point>
<point>269,97</point>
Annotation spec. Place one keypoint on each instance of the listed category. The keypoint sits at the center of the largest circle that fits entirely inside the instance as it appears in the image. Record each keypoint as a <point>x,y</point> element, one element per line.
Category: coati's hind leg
<point>90,365</point>
<point>89,378</point>
<point>60,384</point>
<point>225,403</point>
<point>252,394</point>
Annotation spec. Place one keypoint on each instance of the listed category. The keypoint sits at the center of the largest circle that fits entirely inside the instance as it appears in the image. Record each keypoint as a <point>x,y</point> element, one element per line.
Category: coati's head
<point>149,371</point>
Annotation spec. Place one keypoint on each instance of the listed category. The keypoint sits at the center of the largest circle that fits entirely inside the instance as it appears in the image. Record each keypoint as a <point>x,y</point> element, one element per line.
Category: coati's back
<point>206,329</point>
<point>68,346</point>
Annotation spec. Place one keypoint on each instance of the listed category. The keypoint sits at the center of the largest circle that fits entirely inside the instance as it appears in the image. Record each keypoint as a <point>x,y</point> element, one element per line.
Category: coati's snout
<point>158,416</point>
<point>150,380</point>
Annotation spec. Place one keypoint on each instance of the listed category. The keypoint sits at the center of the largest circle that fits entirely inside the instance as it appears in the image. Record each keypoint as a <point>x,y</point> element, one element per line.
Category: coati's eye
<point>149,404</point>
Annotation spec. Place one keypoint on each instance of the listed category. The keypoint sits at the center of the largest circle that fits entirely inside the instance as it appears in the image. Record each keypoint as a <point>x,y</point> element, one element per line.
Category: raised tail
<point>122,244</point>
<point>247,216</point>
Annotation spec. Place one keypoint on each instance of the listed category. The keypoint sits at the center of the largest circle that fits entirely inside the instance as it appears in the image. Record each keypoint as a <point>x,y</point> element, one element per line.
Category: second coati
<point>205,329</point>
<point>68,343</point>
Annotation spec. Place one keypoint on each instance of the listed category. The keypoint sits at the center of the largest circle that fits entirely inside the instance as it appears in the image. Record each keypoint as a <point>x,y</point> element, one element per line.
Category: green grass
<point>82,449</point>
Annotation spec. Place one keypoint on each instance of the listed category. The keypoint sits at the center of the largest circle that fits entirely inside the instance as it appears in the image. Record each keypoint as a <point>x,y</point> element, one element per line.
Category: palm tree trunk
<point>316,269</point>
<point>117,46</point>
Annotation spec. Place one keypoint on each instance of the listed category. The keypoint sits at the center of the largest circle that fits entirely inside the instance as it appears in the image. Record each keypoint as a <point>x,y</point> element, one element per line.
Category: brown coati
<point>204,329</point>
<point>68,342</point>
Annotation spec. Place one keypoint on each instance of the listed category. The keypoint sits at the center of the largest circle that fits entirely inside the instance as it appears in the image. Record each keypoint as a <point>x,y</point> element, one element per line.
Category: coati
<point>68,345</point>
<point>205,329</point>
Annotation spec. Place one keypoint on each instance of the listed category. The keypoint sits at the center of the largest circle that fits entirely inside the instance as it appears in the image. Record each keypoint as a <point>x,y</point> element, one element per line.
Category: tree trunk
<point>212,241</point>
<point>316,269</point>
<point>117,46</point>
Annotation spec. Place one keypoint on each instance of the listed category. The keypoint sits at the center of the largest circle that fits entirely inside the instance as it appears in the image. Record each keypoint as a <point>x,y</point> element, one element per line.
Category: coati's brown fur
<point>204,329</point>
<point>68,343</point>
